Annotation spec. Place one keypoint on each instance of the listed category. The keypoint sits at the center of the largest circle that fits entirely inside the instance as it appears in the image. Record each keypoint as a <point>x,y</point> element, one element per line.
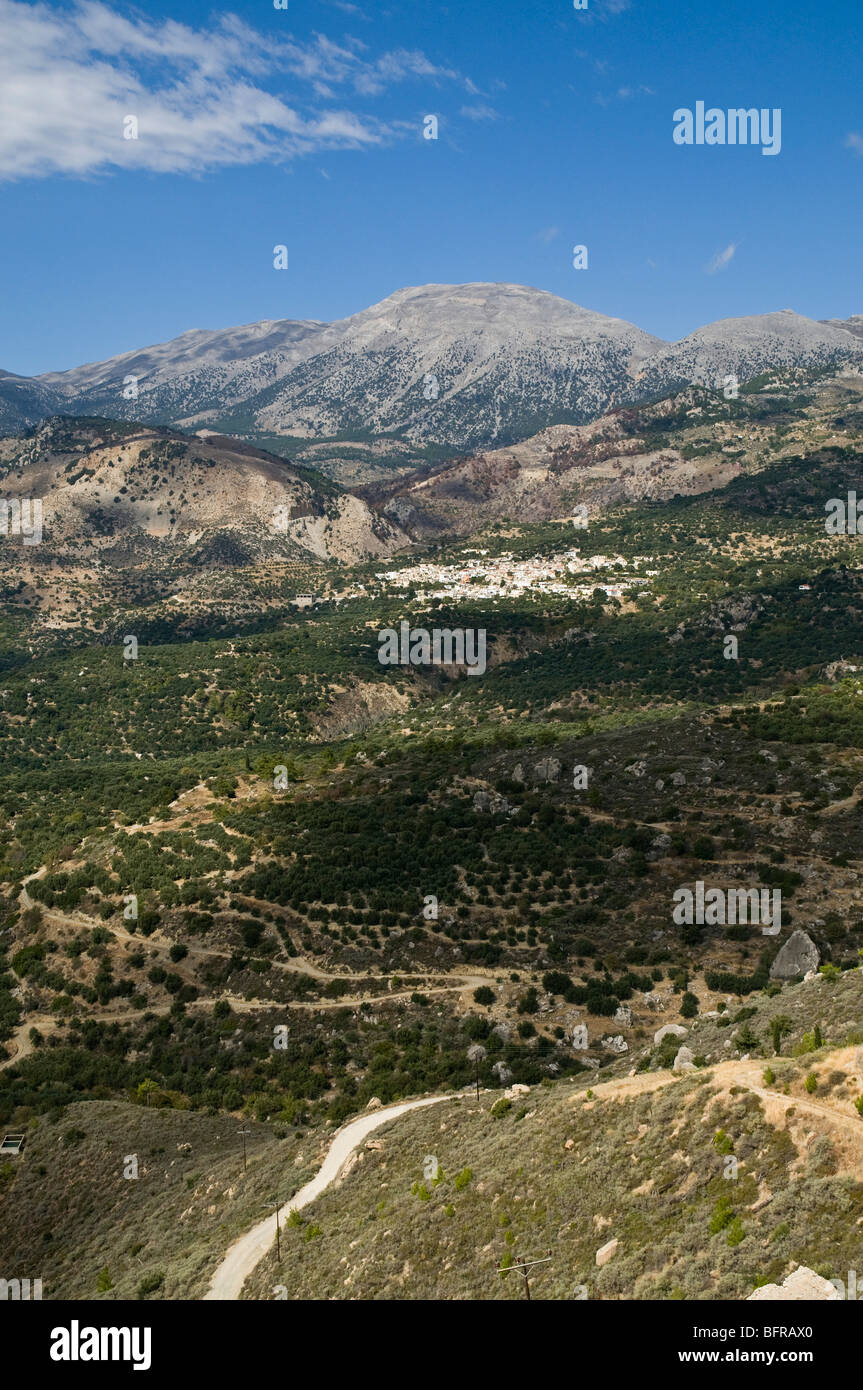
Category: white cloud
<point>722,258</point>
<point>854,142</point>
<point>480,112</point>
<point>548,234</point>
<point>69,77</point>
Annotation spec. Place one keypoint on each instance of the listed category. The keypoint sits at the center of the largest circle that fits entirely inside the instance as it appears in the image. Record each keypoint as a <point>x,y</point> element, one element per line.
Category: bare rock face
<point>798,956</point>
<point>803,1286</point>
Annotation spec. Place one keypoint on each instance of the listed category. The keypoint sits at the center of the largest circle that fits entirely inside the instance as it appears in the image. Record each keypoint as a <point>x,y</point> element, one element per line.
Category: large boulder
<point>798,956</point>
<point>803,1286</point>
<point>677,1030</point>
<point>606,1252</point>
<point>684,1061</point>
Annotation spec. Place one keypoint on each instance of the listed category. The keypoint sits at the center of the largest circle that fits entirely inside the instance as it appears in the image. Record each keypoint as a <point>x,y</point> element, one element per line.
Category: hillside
<point>711,1184</point>
<point>688,442</point>
<point>118,496</point>
<point>147,1197</point>
<point>633,1167</point>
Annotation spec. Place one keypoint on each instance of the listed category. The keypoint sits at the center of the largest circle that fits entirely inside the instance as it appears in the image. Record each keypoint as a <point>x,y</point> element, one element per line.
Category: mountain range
<point>452,367</point>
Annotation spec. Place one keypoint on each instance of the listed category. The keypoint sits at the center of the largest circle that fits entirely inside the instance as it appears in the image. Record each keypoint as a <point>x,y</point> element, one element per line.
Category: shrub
<point>688,1005</point>
<point>736,1232</point>
<point>528,1003</point>
<point>484,995</point>
<point>811,1083</point>
<point>555,982</point>
<point>463,1178</point>
<point>149,1284</point>
<point>722,1216</point>
<point>501,1107</point>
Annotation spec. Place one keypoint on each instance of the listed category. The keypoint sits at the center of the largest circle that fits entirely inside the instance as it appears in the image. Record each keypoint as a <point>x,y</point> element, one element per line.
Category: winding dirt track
<point>243,1256</point>
<point>249,1250</point>
<point>78,921</point>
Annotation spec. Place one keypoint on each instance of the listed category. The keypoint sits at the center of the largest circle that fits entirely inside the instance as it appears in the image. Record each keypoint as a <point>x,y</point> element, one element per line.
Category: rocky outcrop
<point>798,956</point>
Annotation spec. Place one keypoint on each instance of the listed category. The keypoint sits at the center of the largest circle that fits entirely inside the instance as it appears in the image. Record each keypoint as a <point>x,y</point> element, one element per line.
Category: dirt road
<point>249,1250</point>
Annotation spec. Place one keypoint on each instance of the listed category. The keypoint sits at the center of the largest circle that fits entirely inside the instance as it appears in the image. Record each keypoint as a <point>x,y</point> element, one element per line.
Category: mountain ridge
<point>469,366</point>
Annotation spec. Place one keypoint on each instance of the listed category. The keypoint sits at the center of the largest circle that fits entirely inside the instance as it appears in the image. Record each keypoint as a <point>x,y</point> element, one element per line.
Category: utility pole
<point>476,1054</point>
<point>276,1205</point>
<point>521,1266</point>
<point>244,1133</point>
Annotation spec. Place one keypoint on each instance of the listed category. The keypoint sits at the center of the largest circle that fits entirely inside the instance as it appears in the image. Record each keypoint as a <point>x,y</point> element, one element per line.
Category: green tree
<point>688,1005</point>
<point>779,1026</point>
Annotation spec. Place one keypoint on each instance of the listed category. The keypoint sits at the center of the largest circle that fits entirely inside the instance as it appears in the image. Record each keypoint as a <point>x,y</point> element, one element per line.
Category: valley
<point>251,875</point>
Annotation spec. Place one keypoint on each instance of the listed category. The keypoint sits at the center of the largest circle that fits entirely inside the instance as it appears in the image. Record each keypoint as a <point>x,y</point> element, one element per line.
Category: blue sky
<point>303,127</point>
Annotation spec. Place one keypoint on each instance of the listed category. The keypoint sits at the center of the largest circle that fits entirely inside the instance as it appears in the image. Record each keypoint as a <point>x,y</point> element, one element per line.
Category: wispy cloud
<point>480,112</point>
<point>203,98</point>
<point>548,234</point>
<point>348,8</point>
<point>854,142</point>
<point>624,94</point>
<point>722,258</point>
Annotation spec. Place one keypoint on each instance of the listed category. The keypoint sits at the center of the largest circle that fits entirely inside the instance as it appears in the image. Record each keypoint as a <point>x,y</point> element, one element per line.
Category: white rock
<point>676,1029</point>
<point>803,1286</point>
<point>683,1061</point>
<point>606,1252</point>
